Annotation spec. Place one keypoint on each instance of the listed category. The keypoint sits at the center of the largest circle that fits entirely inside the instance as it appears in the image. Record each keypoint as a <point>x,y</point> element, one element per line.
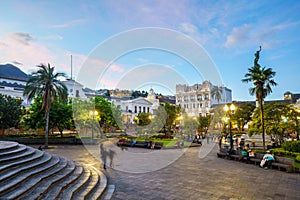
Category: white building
<point>197,99</point>
<point>12,82</point>
<point>75,89</point>
<point>131,108</point>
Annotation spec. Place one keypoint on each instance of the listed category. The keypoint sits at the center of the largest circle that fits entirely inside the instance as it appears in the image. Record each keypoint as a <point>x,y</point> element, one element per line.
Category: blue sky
<point>230,32</point>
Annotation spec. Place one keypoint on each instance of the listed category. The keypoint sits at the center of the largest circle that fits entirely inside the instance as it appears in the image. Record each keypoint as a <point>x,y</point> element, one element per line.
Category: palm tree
<point>45,82</point>
<point>217,92</point>
<point>262,79</point>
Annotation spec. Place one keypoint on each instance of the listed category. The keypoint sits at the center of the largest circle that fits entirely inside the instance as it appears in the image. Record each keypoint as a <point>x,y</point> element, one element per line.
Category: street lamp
<point>230,111</point>
<point>93,113</point>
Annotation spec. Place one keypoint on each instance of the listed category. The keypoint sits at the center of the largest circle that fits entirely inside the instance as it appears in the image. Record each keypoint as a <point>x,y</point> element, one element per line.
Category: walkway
<point>190,177</point>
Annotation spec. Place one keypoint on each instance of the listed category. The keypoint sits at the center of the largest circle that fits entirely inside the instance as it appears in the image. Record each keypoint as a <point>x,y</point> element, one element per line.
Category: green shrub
<point>293,146</point>
<point>298,158</point>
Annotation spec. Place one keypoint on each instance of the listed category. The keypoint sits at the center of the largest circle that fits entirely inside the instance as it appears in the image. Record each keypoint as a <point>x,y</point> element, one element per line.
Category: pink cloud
<point>116,68</point>
<point>69,24</point>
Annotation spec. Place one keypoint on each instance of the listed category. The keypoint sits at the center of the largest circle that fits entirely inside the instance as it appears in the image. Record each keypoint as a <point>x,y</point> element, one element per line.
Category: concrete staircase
<point>27,173</point>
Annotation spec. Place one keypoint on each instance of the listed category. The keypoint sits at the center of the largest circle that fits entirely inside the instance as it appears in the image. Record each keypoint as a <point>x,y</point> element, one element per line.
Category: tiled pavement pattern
<point>193,178</point>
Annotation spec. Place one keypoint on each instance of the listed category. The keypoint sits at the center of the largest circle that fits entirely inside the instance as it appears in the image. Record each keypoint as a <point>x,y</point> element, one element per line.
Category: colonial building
<point>132,107</point>
<point>75,89</point>
<point>12,82</point>
<point>197,99</point>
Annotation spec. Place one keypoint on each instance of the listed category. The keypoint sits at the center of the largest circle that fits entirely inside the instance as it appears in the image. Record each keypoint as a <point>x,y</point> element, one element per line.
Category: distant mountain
<point>10,71</point>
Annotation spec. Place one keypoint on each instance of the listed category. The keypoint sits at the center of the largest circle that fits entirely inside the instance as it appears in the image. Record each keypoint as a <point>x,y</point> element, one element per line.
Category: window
<point>206,97</point>
<point>135,109</point>
<point>144,109</point>
<point>185,98</point>
<point>140,109</point>
<point>77,93</point>
<point>148,110</point>
<point>199,97</point>
<point>179,99</point>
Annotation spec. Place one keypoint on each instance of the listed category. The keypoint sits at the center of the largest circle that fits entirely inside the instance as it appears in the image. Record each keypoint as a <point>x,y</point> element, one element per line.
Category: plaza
<point>192,177</point>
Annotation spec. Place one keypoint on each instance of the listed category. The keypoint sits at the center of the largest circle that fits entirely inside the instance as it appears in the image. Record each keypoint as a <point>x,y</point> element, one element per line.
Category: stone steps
<point>10,152</point>
<point>56,190</point>
<point>27,173</point>
<point>17,156</point>
<point>19,185</point>
<point>24,162</point>
<point>8,146</point>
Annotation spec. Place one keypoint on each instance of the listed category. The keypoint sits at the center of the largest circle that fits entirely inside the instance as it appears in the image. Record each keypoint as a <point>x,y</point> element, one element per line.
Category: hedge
<point>293,146</point>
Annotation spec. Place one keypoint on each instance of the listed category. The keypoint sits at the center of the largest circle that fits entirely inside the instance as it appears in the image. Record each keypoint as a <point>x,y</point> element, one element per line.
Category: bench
<point>142,144</point>
<point>223,153</point>
<point>257,159</point>
<point>284,163</point>
<point>236,155</point>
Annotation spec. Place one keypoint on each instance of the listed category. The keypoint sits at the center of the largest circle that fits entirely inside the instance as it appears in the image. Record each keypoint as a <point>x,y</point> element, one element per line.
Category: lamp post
<point>93,113</point>
<point>230,111</point>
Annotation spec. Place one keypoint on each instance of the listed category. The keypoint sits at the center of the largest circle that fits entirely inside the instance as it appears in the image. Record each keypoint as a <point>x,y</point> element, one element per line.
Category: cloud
<point>35,53</point>
<point>116,68</point>
<point>188,28</point>
<point>238,35</point>
<point>69,24</point>
<point>142,60</point>
<point>266,33</point>
<point>23,38</point>
<point>3,44</point>
<point>52,37</point>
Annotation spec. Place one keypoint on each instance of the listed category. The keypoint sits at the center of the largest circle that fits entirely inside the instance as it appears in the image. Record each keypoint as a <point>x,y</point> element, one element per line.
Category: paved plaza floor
<point>192,177</point>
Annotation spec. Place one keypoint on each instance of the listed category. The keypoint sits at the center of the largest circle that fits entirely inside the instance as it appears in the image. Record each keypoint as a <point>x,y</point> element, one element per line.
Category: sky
<point>139,44</point>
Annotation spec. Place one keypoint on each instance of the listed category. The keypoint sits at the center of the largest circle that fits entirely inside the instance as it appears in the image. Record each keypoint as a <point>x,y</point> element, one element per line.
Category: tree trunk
<point>262,121</point>
<point>47,128</point>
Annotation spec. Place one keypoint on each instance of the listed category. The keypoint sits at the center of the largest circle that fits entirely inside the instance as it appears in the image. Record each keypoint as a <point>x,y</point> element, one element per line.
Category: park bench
<point>236,155</point>
<point>284,163</point>
<point>257,159</point>
<point>223,153</point>
<point>142,144</point>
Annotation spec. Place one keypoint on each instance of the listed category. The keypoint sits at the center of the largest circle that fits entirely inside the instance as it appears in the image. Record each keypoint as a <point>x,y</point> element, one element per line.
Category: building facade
<point>197,99</point>
<point>131,108</point>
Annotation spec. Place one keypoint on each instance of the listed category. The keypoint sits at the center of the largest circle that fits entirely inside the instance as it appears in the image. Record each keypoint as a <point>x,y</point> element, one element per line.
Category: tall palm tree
<point>262,79</point>
<point>217,92</point>
<point>45,82</point>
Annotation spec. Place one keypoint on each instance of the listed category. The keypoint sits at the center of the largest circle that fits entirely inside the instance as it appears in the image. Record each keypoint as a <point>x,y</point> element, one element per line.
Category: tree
<point>262,79</point>
<point>110,115</point>
<point>279,119</point>
<point>158,123</point>
<point>46,83</point>
<point>173,112</point>
<point>243,115</point>
<point>217,117</point>
<point>10,112</point>
<point>60,116</point>
<point>144,119</point>
<point>165,117</point>
<point>190,124</point>
<point>216,93</point>
<point>204,123</point>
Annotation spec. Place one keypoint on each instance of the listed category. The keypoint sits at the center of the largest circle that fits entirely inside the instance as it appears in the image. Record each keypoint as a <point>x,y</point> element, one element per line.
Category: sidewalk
<point>193,177</point>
